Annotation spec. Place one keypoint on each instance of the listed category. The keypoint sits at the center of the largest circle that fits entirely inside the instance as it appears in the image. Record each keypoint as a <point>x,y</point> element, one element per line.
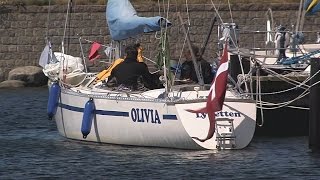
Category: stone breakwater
<point>23,30</point>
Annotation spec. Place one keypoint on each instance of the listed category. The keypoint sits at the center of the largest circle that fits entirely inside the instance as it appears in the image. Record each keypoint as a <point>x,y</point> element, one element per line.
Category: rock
<point>2,75</point>
<point>12,84</point>
<point>31,75</point>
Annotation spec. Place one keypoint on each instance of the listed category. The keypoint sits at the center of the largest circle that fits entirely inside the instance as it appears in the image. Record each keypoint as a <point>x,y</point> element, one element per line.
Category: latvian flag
<point>216,94</point>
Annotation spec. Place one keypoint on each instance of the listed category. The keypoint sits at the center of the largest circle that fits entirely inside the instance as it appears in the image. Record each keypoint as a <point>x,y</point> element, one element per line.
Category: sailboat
<point>170,117</point>
<point>285,50</point>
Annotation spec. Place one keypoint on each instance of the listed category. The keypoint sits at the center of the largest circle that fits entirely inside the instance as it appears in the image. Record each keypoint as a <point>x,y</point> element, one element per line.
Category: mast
<point>65,26</point>
<point>300,18</point>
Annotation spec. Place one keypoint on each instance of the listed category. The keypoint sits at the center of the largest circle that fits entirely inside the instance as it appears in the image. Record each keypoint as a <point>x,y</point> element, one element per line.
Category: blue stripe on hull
<point>169,117</point>
<point>100,112</point>
<point>112,113</point>
<point>71,108</point>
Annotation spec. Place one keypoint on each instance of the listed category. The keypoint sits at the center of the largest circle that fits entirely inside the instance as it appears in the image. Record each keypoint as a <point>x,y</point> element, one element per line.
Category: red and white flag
<point>216,94</point>
<point>94,54</point>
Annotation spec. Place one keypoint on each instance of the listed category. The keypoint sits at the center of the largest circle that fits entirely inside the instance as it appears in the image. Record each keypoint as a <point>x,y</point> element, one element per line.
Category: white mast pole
<point>65,27</point>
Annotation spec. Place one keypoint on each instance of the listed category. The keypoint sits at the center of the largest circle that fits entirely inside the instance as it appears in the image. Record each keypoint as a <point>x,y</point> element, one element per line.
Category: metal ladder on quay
<point>225,136</point>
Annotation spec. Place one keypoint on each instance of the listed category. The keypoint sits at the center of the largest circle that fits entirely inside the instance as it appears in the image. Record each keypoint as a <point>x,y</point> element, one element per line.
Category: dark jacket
<point>128,72</point>
<point>188,71</point>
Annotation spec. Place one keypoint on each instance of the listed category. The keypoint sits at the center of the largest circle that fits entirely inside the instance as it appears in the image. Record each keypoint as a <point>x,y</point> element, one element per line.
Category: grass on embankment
<point>103,2</point>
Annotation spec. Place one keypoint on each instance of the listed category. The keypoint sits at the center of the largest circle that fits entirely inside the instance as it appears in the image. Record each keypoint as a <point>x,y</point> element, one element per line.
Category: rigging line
<point>274,93</point>
<point>164,43</point>
<point>168,9</point>
<point>276,74</point>
<point>48,20</point>
<point>223,24</point>
<point>286,79</point>
<point>180,56</point>
<point>159,8</point>
<point>283,105</point>
<point>188,15</point>
<point>234,30</point>
<point>83,57</point>
<point>299,97</point>
<point>69,26</point>
<point>199,75</point>
<point>149,60</point>
<point>222,21</point>
<point>242,71</point>
<point>230,11</point>
<point>217,12</point>
<point>302,19</point>
<point>234,41</point>
<point>65,27</point>
<point>94,41</point>
<point>235,44</point>
<point>286,90</point>
<point>299,16</point>
<point>251,83</point>
<point>184,41</point>
<point>236,85</point>
<point>258,97</point>
<point>205,43</point>
<point>290,101</point>
<point>293,107</point>
<point>309,78</point>
<point>159,11</point>
<point>258,88</point>
<point>275,105</point>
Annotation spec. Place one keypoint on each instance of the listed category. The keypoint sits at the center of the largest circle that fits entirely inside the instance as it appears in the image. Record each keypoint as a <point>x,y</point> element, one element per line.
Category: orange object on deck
<point>106,73</point>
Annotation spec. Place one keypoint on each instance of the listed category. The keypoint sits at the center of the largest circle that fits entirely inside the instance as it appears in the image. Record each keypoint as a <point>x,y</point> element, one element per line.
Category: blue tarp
<point>124,22</point>
<point>298,59</point>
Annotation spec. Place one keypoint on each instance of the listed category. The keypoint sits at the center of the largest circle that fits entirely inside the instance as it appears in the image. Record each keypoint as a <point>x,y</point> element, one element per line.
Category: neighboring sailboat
<point>92,112</point>
<point>285,52</point>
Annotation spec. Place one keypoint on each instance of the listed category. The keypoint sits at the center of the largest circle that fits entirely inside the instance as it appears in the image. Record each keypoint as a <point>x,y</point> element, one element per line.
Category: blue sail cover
<point>312,6</point>
<point>124,22</point>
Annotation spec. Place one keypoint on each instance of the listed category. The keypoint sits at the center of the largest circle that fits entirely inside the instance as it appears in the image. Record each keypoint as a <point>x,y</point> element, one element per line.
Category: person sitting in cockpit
<point>188,71</point>
<point>130,70</point>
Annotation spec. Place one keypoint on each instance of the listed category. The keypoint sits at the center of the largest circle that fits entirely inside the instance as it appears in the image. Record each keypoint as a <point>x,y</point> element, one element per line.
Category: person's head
<point>137,45</point>
<point>131,52</point>
<point>196,52</point>
<point>281,29</point>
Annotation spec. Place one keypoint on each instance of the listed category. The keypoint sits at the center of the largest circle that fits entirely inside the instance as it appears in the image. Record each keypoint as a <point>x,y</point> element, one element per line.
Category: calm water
<point>31,148</point>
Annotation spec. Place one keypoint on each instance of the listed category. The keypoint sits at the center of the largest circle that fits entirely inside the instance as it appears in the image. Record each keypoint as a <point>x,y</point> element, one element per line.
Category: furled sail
<point>312,6</point>
<point>124,22</point>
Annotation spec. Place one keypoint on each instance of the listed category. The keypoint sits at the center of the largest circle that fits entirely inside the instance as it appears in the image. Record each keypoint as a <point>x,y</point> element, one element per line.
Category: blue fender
<point>88,114</point>
<point>54,94</point>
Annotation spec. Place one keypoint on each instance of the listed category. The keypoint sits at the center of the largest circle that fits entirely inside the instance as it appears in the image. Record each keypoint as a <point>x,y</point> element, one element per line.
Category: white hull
<point>144,121</point>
